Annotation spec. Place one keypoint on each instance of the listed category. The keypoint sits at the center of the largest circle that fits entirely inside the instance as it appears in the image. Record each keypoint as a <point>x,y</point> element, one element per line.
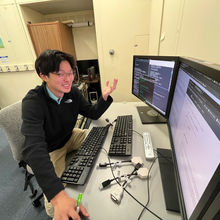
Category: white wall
<point>170,26</point>
<point>191,28</point>
<point>85,43</point>
<point>14,85</point>
<point>156,13</point>
<point>32,16</point>
<point>200,33</point>
<point>118,23</point>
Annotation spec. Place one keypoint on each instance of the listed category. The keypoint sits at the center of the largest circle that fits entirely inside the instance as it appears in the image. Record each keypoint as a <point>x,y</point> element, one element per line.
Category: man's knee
<point>48,207</point>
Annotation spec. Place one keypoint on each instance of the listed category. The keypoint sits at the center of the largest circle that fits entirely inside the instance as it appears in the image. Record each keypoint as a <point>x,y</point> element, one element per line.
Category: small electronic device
<point>91,73</point>
<point>93,97</point>
<point>83,65</point>
<point>148,147</point>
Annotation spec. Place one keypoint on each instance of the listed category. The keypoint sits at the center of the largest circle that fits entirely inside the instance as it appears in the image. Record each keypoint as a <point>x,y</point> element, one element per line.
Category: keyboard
<point>121,143</point>
<point>82,163</point>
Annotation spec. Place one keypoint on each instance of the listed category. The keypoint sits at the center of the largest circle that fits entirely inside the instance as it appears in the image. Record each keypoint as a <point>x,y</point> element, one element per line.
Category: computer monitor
<point>194,128</point>
<point>83,65</point>
<point>153,81</point>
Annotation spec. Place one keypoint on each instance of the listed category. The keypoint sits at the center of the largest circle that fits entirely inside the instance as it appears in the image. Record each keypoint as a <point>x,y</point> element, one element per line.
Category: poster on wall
<point>1,43</point>
<point>4,59</point>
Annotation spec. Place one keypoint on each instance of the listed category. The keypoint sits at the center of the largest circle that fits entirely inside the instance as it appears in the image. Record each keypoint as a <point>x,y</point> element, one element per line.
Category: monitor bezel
<point>172,86</point>
<point>213,187</point>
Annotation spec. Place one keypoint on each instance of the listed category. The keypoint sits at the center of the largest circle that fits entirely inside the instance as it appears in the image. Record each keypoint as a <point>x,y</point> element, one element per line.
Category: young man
<point>49,114</point>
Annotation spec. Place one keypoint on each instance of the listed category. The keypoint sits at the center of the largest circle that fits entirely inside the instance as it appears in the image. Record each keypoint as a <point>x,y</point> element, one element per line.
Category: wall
<point>191,29</point>
<point>180,27</point>
<point>200,33</point>
<point>32,16</point>
<point>170,26</point>
<point>156,15</point>
<point>15,84</point>
<point>118,25</point>
<point>85,43</point>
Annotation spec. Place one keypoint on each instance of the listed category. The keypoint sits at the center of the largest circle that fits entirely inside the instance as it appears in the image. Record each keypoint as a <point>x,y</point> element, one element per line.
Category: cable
<point>137,133</point>
<point>137,166</point>
<point>108,182</point>
<point>106,164</point>
<point>165,157</point>
<point>142,205</point>
<point>116,195</point>
<point>111,123</point>
<point>148,188</point>
<point>128,192</point>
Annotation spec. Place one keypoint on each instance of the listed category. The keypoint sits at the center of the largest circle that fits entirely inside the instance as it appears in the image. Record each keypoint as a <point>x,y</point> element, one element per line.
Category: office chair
<point>10,122</point>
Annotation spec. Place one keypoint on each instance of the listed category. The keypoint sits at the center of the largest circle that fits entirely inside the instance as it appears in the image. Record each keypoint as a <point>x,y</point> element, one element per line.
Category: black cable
<point>111,123</point>
<point>128,192</point>
<point>106,164</point>
<point>108,182</point>
<point>143,205</point>
<point>138,133</point>
<point>137,167</point>
<point>148,188</point>
<point>165,157</point>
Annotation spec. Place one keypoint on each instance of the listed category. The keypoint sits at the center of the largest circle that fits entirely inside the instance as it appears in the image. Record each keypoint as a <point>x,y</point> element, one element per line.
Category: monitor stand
<point>168,180</point>
<point>149,116</point>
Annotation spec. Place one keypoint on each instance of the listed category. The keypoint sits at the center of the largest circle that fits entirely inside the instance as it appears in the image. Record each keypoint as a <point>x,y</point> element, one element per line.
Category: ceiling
<point>60,6</point>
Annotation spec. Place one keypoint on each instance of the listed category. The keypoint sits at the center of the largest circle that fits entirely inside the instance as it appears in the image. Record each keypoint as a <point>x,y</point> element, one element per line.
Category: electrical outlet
<point>16,68</point>
<point>26,67</point>
<point>8,68</point>
<point>1,70</point>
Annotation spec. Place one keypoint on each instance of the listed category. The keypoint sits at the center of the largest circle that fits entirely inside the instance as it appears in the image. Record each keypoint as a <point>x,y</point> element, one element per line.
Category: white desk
<point>98,203</point>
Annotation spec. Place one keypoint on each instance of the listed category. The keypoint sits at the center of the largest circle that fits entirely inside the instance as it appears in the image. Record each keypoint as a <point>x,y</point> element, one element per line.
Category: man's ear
<point>43,77</point>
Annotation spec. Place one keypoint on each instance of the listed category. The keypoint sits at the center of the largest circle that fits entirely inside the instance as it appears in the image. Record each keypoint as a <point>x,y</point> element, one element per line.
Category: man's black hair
<point>49,61</point>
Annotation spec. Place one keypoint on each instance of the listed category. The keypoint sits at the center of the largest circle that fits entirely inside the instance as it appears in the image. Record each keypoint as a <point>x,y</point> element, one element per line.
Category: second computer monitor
<point>194,125</point>
<point>153,82</point>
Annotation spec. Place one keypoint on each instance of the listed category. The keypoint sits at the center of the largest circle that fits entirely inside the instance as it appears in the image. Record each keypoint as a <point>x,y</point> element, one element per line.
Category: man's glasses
<point>62,74</point>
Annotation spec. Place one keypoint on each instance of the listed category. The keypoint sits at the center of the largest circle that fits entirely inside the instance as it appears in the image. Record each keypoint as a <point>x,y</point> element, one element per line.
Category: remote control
<point>148,148</point>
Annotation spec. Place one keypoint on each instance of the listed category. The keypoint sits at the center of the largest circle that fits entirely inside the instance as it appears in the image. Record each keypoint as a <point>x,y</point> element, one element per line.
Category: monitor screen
<point>83,65</point>
<point>153,83</point>
<point>194,125</point>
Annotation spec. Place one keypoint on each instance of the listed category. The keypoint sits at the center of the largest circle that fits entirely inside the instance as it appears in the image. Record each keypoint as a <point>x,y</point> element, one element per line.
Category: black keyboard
<point>82,163</point>
<point>121,143</point>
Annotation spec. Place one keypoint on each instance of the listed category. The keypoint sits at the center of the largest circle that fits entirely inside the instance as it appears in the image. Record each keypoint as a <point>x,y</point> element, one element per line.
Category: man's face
<point>61,82</point>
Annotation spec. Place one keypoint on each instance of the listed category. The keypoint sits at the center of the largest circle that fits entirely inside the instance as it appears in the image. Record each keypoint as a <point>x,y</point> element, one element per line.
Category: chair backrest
<point>10,122</point>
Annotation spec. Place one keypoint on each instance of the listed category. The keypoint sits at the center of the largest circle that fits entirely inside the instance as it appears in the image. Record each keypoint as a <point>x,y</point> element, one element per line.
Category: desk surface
<point>98,203</point>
